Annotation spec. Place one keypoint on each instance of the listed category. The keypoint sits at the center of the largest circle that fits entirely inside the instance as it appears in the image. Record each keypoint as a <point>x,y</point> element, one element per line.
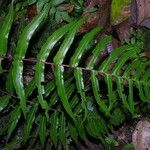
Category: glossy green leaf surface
<point>74,92</point>
<point>20,53</point>
<point>4,100</point>
<point>83,46</point>
<point>15,116</point>
<point>5,29</point>
<point>54,122</point>
<point>42,130</point>
<point>59,70</point>
<point>29,122</point>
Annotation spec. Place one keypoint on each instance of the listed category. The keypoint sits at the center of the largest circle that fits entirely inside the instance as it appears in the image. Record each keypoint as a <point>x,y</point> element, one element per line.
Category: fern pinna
<point>66,108</point>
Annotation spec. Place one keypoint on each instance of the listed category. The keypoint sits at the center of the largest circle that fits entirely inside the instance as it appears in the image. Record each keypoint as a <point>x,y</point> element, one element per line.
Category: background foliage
<point>73,94</point>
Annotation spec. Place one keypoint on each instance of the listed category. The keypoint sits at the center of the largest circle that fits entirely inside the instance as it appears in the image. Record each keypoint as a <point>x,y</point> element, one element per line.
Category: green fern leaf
<point>96,89</point>
<point>80,86</point>
<point>147,86</point>
<point>15,116</point>
<point>95,125</point>
<point>124,58</point>
<point>49,87</point>
<point>117,117</point>
<point>29,122</point>
<point>114,55</point>
<point>44,53</point>
<point>111,95</point>
<point>81,129</point>
<point>42,130</point>
<point>73,133</point>
<point>30,88</point>
<point>4,100</point>
<point>12,144</point>
<point>131,98</point>
<point>5,30</point>
<point>61,90</point>
<point>62,131</point>
<point>83,46</point>
<point>121,93</point>
<point>58,59</point>
<point>134,65</point>
<point>54,128</point>
<point>21,49</point>
<point>98,50</point>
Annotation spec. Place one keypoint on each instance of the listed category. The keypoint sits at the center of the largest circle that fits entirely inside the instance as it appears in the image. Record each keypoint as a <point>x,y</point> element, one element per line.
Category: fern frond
<point>54,128</point>
<point>20,52</point>
<point>69,104</point>
<point>29,122</point>
<point>42,130</point>
<point>15,116</point>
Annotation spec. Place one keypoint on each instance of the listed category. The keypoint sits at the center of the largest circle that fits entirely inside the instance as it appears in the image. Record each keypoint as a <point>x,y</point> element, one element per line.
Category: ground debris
<point>141,136</point>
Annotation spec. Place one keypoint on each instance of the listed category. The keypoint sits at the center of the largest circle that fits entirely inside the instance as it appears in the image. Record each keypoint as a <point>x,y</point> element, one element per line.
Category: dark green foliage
<point>4,101</point>
<point>111,141</point>
<point>67,109</point>
<point>117,117</point>
<point>129,147</point>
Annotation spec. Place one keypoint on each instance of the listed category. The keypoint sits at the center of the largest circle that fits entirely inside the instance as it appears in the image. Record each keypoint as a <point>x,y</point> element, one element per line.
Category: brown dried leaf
<point>91,3</point>
<point>68,7</point>
<point>141,136</point>
<point>91,22</point>
<point>147,54</point>
<point>32,12</point>
<point>99,18</point>
<point>123,30</point>
<point>143,10</point>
